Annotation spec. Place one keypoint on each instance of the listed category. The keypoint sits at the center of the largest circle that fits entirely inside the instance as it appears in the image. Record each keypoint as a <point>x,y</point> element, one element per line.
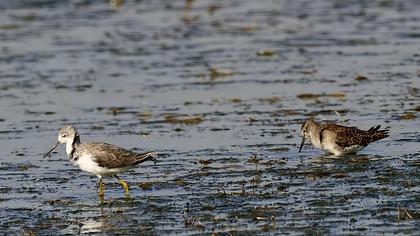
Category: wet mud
<point>220,89</point>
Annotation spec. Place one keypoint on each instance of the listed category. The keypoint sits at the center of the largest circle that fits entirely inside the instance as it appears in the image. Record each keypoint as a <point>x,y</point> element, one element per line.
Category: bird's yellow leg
<point>101,189</point>
<point>124,185</point>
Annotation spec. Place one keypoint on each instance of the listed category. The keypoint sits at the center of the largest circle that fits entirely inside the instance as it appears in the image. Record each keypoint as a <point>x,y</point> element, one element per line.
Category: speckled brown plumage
<point>338,139</point>
<point>349,136</point>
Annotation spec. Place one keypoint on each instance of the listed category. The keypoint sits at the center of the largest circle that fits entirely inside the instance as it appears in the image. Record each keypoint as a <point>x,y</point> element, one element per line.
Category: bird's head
<point>306,130</point>
<point>67,134</point>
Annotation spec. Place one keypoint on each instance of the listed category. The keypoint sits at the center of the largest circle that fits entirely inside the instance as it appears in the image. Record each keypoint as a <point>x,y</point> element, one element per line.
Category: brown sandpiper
<point>337,139</point>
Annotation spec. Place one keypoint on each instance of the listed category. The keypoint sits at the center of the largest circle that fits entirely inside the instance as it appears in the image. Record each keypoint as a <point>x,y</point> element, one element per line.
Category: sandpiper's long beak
<point>302,143</point>
<point>56,145</point>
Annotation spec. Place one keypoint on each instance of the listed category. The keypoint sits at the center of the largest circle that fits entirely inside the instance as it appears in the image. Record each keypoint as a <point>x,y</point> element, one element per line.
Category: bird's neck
<point>315,134</point>
<point>71,146</point>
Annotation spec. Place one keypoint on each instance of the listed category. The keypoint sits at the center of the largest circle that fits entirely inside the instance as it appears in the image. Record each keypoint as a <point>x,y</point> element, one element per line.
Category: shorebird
<point>100,159</point>
<point>338,139</point>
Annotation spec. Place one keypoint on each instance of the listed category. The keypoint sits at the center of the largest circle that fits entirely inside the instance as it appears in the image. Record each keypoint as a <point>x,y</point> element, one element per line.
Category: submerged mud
<point>220,90</point>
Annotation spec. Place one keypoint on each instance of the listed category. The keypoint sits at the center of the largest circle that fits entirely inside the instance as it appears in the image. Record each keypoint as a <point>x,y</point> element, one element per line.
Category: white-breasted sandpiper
<point>100,159</point>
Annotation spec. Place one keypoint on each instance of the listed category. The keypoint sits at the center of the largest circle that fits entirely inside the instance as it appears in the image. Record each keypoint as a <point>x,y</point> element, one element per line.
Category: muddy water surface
<point>220,88</point>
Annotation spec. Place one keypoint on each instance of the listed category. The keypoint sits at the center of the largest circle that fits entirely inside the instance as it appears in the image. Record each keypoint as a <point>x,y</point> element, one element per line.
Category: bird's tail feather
<point>376,134</point>
<point>374,128</point>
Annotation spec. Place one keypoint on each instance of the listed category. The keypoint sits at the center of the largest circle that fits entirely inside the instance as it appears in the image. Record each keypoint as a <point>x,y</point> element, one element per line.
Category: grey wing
<point>110,156</point>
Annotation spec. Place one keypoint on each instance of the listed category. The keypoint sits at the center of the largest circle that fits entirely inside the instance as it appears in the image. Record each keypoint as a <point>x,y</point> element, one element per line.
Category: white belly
<point>338,151</point>
<point>87,163</point>
<point>353,149</point>
<point>328,144</point>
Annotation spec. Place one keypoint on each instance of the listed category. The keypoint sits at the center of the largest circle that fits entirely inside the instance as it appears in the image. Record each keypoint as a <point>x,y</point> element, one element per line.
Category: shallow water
<point>220,90</point>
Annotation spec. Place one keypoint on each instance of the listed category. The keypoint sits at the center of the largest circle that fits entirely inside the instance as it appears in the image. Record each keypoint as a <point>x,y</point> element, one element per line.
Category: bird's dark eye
<point>64,135</point>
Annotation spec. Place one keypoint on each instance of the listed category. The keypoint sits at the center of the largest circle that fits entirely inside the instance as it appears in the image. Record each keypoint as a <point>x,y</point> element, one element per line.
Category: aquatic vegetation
<point>313,96</point>
<point>181,119</point>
